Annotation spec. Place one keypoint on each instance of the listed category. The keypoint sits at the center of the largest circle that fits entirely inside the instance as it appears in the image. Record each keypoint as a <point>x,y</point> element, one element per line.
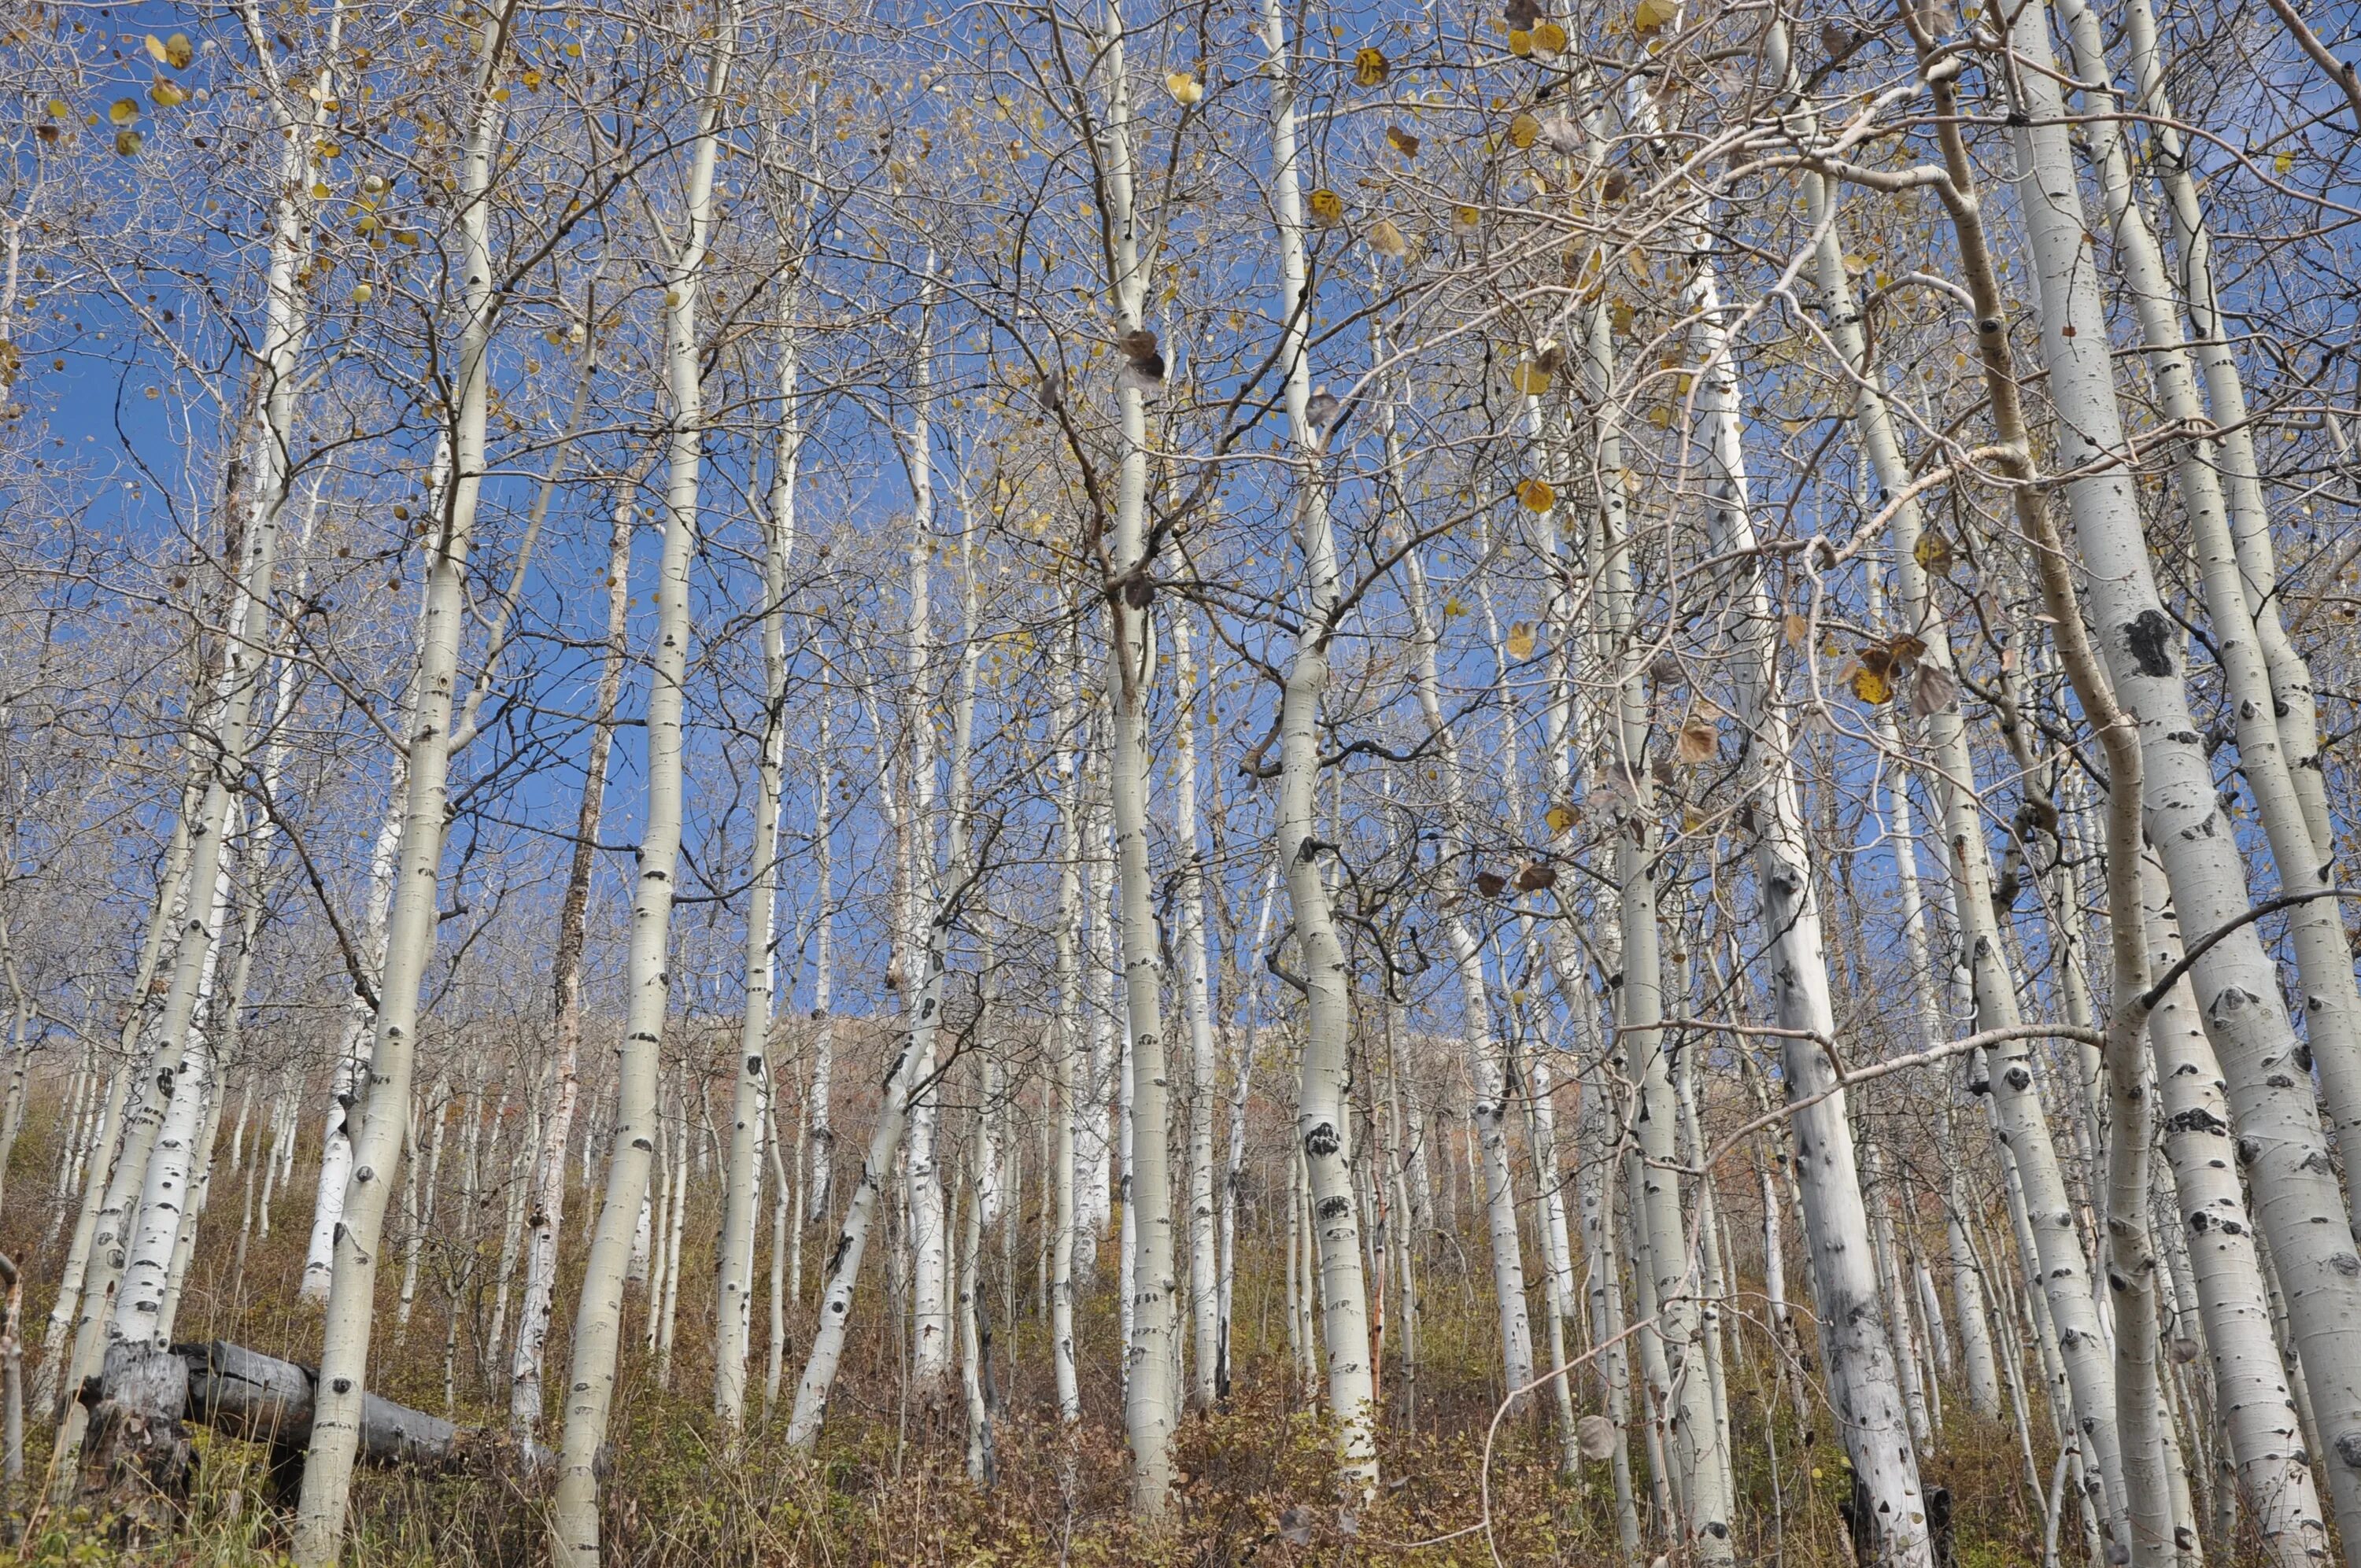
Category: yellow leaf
<point>156,49</point>
<point>362,293</point>
<point>1185,87</point>
<point>1652,15</point>
<point>1549,39</point>
<point>1872,687</point>
<point>177,50</point>
<point>1327,208</point>
<point>1387,240</point>
<point>1466,216</point>
<point>1521,43</point>
<point>1933,553</point>
<point>1561,818</point>
<point>1520,641</point>
<point>1522,130</point>
<point>167,94</point>
<point>1620,316</point>
<point>531,80</point>
<point>1370,67</point>
<point>59,109</point>
<point>1451,606</point>
<point>1528,379</point>
<point>126,143</point>
<point>1661,416</point>
<point>2284,162</point>
<point>1401,141</point>
<point>319,191</point>
<point>1535,495</point>
<point>125,111</point>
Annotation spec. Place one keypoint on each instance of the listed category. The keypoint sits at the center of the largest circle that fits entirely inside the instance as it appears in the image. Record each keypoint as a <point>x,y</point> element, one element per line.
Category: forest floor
<point>889,1484</point>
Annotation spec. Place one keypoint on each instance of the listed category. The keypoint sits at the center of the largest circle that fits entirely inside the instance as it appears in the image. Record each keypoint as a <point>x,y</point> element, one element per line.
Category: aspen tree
<point>931,1325</point>
<point>596,1330</point>
<point>2293,1183</point>
<point>1151,1397</point>
<point>735,1323</point>
<point>1196,1003</point>
<point>565,977</point>
<point>1066,1029</point>
<point>1322,1112</point>
<point>2051,1246</point>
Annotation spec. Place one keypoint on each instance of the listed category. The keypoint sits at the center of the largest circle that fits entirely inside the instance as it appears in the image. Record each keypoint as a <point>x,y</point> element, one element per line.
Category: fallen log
<point>259,1398</point>
<point>245,1393</point>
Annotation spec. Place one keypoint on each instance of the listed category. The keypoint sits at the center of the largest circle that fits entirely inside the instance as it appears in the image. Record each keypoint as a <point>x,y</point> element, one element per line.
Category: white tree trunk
<point>2300,1207</point>
<point>525,1368</point>
<point>735,1323</point>
<point>1066,1063</point>
<point>929,1232</point>
<point>1196,1008</point>
<point>2251,1389</point>
<point>598,1317</point>
<point>1323,1116</point>
<point>346,1072</point>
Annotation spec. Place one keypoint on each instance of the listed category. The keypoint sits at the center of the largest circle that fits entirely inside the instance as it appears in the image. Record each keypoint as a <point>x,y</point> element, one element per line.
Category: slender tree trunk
<point>1196,1005</point>
<point>2299,1202</point>
<point>1324,1114</point>
<point>598,1317</point>
<point>526,1369</point>
<point>1066,1065</point>
<point>736,1321</point>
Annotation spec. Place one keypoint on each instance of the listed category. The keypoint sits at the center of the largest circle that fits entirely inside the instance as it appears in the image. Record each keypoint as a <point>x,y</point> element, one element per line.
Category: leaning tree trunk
<point>228,717</point>
<point>136,1449</point>
<point>2056,1254</point>
<point>2251,1391</point>
<point>2299,1204</point>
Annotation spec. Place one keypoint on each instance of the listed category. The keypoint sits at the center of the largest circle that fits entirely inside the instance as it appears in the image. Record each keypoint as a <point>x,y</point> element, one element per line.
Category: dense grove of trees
<point>1077,780</point>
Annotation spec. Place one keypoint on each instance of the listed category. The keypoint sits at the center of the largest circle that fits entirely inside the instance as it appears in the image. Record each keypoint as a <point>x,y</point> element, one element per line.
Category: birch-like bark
<point>1066,1065</point>
<point>598,1322</point>
<point>227,733</point>
<point>1151,1397</point>
<point>664,1300</point>
<point>1196,1008</point>
<point>19,1059</point>
<point>2056,1254</point>
<point>2257,1406</point>
<point>877,1168</point>
<point>931,1330</point>
<point>2214,342</point>
<point>819,1189</point>
<point>49,1378</point>
<point>1323,1114</point>
<point>1485,1066</point>
<point>346,1072</point>
<point>2299,1205</point>
<point>137,1333</point>
<point>734,1325</point>
<point>2305,864</point>
<point>543,1227</point>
